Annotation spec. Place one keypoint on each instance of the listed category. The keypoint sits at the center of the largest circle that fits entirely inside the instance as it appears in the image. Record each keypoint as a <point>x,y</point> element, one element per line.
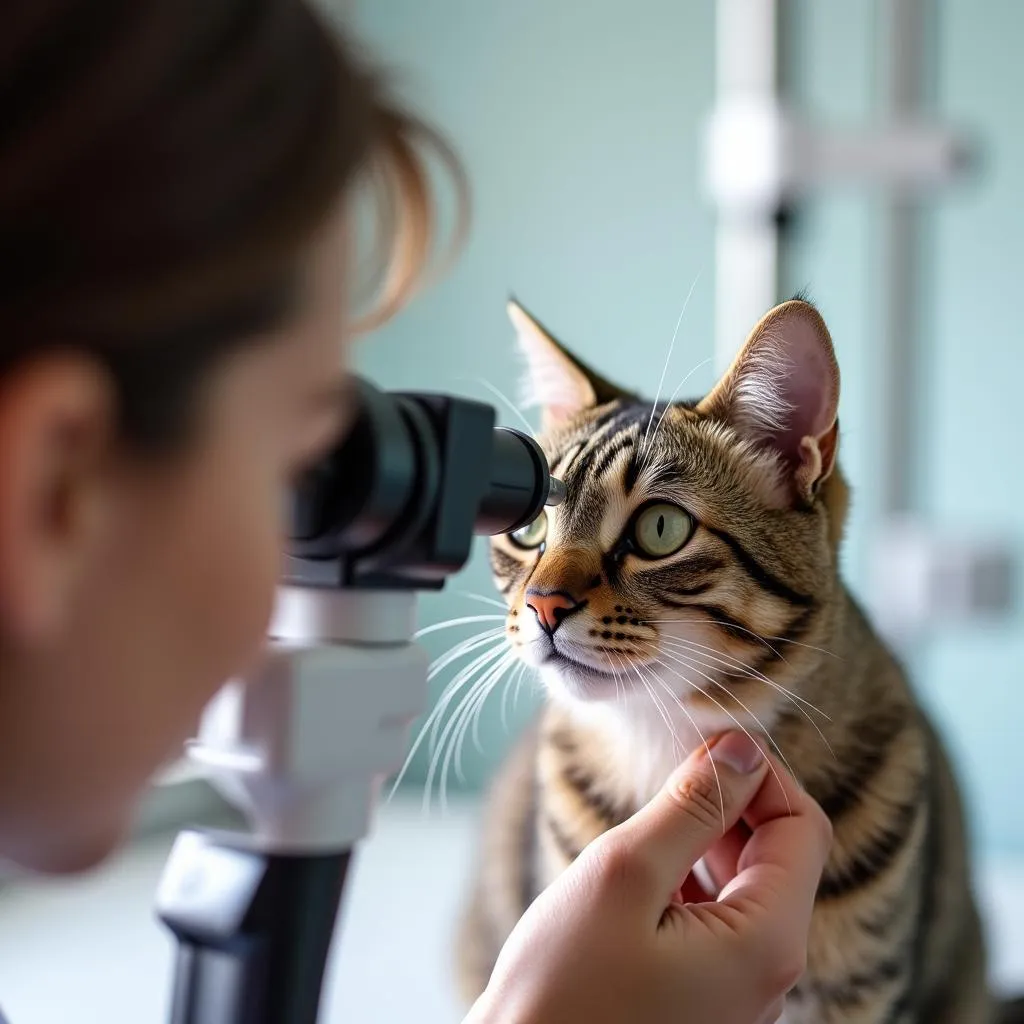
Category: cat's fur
<point>748,623</point>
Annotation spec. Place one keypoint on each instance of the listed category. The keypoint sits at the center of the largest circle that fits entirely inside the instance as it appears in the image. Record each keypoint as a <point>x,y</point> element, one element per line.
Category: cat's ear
<point>556,380</point>
<point>782,393</point>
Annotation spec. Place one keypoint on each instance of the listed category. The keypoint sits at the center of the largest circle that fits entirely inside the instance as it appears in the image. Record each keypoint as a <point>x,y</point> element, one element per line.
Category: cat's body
<point>878,937</point>
<point>648,645</point>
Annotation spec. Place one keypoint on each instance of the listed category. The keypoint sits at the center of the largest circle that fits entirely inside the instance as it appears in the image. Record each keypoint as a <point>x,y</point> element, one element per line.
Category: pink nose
<point>551,609</point>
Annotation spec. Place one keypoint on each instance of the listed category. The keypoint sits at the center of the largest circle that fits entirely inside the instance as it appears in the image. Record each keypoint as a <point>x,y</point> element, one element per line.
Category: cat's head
<point>696,538</point>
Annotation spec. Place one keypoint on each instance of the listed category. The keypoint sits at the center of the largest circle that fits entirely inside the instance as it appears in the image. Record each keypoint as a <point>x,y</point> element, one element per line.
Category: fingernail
<point>738,751</point>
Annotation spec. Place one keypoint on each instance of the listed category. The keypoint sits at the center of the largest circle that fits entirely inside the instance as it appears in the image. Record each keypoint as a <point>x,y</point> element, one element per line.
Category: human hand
<point>627,933</point>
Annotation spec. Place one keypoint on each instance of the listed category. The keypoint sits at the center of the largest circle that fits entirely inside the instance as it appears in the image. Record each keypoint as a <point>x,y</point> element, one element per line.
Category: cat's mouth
<point>569,664</point>
<point>582,680</point>
<point>560,660</point>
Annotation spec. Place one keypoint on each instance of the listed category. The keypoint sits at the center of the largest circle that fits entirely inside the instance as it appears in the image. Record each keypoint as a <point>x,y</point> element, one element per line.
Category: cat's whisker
<point>721,706</point>
<point>430,726</point>
<point>720,657</point>
<point>450,730</point>
<point>461,649</point>
<point>493,643</point>
<point>620,680</point>
<point>800,703</point>
<point>515,675</point>
<point>807,647</point>
<point>675,395</point>
<point>678,750</point>
<point>502,397</point>
<point>714,768</point>
<point>471,722</point>
<point>699,689</point>
<point>493,601</point>
<point>660,654</point>
<point>706,622</point>
<point>505,665</point>
<point>694,659</point>
<point>460,722</point>
<point>743,671</point>
<point>794,698</point>
<point>663,712</point>
<point>713,659</point>
<point>617,678</point>
<point>668,359</point>
<point>660,707</point>
<point>478,664</point>
<point>451,623</point>
<point>757,636</point>
<point>523,673</point>
<point>500,675</point>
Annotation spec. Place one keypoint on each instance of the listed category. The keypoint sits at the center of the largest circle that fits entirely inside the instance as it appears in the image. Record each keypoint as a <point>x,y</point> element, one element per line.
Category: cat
<point>689,584</point>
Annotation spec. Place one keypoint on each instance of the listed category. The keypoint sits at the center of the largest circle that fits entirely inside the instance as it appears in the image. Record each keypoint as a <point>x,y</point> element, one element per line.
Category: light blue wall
<point>968,481</point>
<point>580,128</point>
<point>974,481</point>
<point>565,114</point>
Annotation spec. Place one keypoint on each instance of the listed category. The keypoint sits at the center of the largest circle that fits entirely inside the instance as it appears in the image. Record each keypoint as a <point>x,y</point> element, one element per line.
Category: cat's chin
<point>578,681</point>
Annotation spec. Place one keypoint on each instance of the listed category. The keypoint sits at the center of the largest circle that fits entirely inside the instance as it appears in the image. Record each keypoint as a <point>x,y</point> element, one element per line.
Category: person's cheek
<point>229,594</point>
<point>258,561</point>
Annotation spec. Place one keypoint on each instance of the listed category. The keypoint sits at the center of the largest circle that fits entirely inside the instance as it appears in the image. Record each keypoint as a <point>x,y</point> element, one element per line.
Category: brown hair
<point>162,167</point>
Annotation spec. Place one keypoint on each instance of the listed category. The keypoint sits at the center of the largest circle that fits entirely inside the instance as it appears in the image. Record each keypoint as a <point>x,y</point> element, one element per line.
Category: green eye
<point>532,535</point>
<point>661,530</point>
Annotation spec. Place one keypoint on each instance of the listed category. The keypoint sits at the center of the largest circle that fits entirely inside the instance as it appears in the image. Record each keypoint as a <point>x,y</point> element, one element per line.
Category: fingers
<point>658,847</point>
<point>780,866</point>
<point>774,1015</point>
<point>722,860</point>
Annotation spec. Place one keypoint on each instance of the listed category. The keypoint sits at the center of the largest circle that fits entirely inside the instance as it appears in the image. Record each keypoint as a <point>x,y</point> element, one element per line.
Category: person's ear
<point>57,421</point>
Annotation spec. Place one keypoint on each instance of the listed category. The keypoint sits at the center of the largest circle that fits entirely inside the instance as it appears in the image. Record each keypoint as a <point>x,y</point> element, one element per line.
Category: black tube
<point>254,931</point>
<point>407,459</point>
<point>518,484</point>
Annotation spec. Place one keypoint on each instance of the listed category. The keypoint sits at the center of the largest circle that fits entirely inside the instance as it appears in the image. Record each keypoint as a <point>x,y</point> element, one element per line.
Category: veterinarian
<point>174,230</point>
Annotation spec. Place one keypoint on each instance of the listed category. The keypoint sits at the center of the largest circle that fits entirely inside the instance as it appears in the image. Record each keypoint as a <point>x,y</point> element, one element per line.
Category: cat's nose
<point>552,609</point>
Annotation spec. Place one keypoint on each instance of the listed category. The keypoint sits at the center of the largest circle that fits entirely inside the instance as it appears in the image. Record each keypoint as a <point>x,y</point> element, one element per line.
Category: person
<point>181,187</point>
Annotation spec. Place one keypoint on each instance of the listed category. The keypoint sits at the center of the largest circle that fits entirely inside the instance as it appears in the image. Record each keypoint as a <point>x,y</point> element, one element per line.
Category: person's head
<point>175,193</point>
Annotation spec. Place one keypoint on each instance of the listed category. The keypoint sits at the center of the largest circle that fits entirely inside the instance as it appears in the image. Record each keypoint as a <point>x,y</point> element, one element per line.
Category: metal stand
<point>302,747</point>
<point>254,931</point>
<point>303,744</point>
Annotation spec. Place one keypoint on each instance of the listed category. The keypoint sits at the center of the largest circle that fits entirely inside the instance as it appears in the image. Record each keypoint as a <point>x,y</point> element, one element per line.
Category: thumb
<point>701,801</point>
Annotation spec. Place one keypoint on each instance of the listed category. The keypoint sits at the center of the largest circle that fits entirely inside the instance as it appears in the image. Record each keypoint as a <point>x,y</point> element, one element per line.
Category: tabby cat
<point>689,584</point>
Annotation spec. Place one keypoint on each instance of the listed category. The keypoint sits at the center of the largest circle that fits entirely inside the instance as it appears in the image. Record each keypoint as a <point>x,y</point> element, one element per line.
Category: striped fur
<point>749,624</point>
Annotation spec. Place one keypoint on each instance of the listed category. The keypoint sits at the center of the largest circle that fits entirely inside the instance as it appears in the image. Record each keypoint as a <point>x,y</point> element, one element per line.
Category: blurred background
<point>584,130</point>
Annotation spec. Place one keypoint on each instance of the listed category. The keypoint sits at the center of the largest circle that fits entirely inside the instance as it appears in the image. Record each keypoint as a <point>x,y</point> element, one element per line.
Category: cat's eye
<point>661,530</point>
<point>533,534</point>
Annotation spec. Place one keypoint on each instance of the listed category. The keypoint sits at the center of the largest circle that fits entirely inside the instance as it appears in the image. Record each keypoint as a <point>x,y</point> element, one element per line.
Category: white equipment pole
<point>746,169</point>
<point>763,159</point>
